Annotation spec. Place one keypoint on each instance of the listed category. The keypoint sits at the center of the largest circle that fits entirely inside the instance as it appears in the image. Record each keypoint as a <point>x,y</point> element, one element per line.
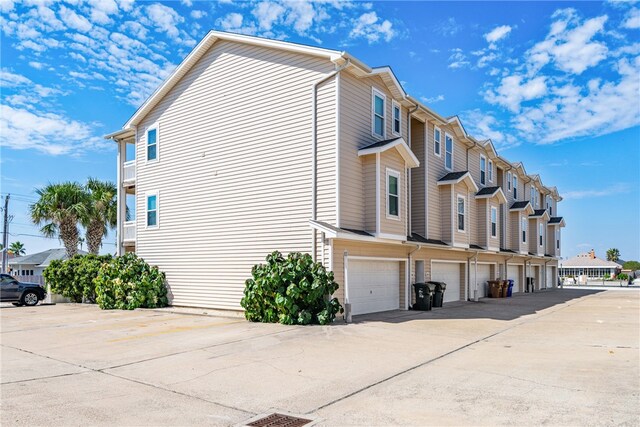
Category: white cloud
<point>483,125</point>
<point>515,89</point>
<point>370,27</point>
<point>7,6</point>
<point>432,100</point>
<point>498,33</point>
<point>164,19</point>
<point>198,14</point>
<point>37,65</point>
<point>101,10</point>
<point>73,20</point>
<point>233,22</point>
<point>486,59</point>
<point>448,27</point>
<point>267,13</point>
<point>619,188</point>
<point>457,59</point>
<point>632,20</point>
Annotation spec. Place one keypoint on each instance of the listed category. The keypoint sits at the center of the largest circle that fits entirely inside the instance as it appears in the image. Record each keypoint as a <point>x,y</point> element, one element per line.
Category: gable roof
<point>540,213</point>
<point>522,206</point>
<point>557,220</point>
<point>490,192</point>
<point>398,143</point>
<point>42,259</point>
<point>456,177</point>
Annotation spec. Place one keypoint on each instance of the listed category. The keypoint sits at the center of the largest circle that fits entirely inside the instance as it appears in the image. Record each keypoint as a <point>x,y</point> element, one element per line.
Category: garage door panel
<point>448,273</point>
<point>374,286</point>
<point>484,275</point>
<point>513,273</point>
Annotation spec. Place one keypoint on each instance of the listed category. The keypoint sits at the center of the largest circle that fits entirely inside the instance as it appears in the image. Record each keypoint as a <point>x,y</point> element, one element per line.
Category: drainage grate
<point>279,420</point>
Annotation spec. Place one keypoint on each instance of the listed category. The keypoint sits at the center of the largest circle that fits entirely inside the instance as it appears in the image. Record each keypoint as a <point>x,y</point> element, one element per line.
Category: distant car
<point>20,293</point>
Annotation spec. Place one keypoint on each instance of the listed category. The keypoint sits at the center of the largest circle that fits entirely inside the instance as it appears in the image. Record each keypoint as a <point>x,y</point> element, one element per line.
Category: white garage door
<point>373,286</point>
<point>513,273</point>
<point>484,275</point>
<point>449,273</point>
<point>550,278</point>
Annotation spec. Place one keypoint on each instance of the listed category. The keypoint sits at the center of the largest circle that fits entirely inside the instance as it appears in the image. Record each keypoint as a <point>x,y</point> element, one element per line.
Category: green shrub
<point>622,276</point>
<point>292,290</point>
<point>73,278</point>
<point>128,282</point>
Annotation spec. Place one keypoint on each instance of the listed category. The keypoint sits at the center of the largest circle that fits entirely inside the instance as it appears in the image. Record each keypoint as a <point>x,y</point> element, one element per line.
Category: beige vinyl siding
<point>533,238</point>
<point>418,224</point>
<point>435,171</point>
<point>391,160</point>
<point>482,223</point>
<point>233,178</point>
<point>369,168</point>
<point>446,214</point>
<point>355,133</point>
<point>515,232</point>
<point>474,166</point>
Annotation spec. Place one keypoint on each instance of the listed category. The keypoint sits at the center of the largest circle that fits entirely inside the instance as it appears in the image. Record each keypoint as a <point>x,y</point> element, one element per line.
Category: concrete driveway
<point>555,357</point>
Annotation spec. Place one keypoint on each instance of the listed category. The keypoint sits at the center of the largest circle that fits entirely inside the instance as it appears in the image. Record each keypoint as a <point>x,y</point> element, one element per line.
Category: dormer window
<point>378,118</point>
<point>483,170</point>
<point>397,119</point>
<point>393,194</point>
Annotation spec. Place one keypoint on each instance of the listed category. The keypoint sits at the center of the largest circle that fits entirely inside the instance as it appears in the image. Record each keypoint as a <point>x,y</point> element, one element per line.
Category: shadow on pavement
<point>521,304</point>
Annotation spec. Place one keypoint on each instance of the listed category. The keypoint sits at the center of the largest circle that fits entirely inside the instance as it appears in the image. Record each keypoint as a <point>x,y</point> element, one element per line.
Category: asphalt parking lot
<point>561,357</point>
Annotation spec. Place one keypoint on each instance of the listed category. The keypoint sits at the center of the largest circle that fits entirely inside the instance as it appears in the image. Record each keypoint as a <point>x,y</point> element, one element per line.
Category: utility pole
<point>5,234</point>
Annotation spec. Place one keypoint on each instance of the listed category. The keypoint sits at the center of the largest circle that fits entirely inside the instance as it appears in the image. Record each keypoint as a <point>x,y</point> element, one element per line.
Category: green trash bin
<point>424,295</point>
<point>438,296</point>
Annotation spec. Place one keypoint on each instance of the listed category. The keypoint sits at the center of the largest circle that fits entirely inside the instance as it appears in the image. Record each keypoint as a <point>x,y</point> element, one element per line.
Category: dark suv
<point>20,293</point>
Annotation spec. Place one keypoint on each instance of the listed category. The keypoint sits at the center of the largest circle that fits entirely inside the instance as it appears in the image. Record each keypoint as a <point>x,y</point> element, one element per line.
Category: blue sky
<point>555,84</point>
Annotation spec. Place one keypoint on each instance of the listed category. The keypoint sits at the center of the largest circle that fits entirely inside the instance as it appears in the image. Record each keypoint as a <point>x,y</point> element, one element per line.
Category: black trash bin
<point>438,296</point>
<point>424,296</point>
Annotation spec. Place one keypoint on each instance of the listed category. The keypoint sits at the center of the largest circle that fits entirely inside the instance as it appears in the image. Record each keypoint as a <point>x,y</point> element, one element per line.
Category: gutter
<point>409,224</point>
<point>314,152</point>
<point>475,274</point>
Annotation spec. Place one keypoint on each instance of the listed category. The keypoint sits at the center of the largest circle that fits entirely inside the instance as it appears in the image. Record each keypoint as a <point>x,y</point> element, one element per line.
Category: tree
<point>17,248</point>
<point>613,254</point>
<point>101,212</point>
<point>631,265</point>
<point>58,210</point>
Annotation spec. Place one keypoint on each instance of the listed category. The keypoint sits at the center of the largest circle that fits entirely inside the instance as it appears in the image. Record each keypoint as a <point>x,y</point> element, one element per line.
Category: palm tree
<point>613,255</point>
<point>17,248</point>
<point>58,211</point>
<point>102,212</point>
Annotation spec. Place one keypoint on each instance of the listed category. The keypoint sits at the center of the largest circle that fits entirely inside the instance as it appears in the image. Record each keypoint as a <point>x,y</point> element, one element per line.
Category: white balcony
<point>129,232</point>
<point>129,172</point>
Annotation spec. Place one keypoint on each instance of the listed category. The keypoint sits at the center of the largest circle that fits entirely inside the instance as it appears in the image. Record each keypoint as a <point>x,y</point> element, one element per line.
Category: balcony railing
<point>129,232</point>
<point>129,172</point>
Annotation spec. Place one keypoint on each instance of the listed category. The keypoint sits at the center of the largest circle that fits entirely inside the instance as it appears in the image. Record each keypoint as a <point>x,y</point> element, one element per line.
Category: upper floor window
<point>393,193</point>
<point>436,141</point>
<point>508,181</point>
<point>557,239</point>
<point>524,230</point>
<point>397,119</point>
<point>540,230</point>
<point>515,187</point>
<point>494,222</point>
<point>483,170</point>
<point>448,152</point>
<point>152,143</point>
<point>549,206</point>
<point>533,196</point>
<point>490,171</point>
<point>152,210</point>
<point>461,212</point>
<point>378,113</point>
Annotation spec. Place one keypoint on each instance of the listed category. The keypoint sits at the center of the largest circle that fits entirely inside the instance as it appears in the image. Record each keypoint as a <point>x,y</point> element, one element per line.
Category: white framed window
<point>448,152</point>
<point>515,187</point>
<point>437,141</point>
<point>393,194</point>
<point>557,239</point>
<point>151,207</point>
<point>153,139</point>
<point>378,106</point>
<point>509,181</point>
<point>540,231</point>
<point>549,206</point>
<point>461,209</point>
<point>483,170</point>
<point>490,171</point>
<point>494,222</point>
<point>397,119</point>
<point>524,230</point>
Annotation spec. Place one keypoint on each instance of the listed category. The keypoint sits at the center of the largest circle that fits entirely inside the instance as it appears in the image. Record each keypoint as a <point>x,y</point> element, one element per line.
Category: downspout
<point>408,281</point>
<point>474,146</point>
<point>409,113</point>
<point>314,152</point>
<point>475,275</point>
<point>527,262</point>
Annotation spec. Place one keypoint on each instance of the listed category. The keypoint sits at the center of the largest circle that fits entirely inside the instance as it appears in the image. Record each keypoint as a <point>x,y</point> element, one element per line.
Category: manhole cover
<point>279,420</point>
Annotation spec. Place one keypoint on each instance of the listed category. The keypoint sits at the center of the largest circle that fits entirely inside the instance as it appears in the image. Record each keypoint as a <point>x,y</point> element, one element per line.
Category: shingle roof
<point>42,259</point>
<point>488,191</point>
<point>519,205</point>
<point>539,212</point>
<point>360,232</point>
<point>555,220</point>
<point>418,238</point>
<point>584,260</point>
<point>475,247</point>
<point>507,251</point>
<point>380,143</point>
<point>452,176</point>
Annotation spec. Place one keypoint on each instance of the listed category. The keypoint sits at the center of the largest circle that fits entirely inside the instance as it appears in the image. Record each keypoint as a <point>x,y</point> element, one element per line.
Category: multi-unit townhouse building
<point>255,145</point>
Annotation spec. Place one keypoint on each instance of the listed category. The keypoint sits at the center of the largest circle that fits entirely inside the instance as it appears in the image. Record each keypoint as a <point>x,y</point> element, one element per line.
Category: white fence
<point>30,279</point>
<point>129,171</point>
<point>129,231</point>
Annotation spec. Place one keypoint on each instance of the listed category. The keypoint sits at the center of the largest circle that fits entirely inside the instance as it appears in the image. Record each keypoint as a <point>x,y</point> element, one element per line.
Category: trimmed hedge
<point>128,282</point>
<point>292,290</point>
<point>73,278</point>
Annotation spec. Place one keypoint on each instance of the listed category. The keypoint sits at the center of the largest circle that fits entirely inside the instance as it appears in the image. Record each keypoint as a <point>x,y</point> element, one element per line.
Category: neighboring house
<point>255,145</point>
<point>588,266</point>
<point>34,264</point>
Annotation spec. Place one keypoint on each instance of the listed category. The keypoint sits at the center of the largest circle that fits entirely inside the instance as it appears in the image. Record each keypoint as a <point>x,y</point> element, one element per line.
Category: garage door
<point>484,275</point>
<point>550,278</point>
<point>373,286</point>
<point>448,273</point>
<point>513,273</point>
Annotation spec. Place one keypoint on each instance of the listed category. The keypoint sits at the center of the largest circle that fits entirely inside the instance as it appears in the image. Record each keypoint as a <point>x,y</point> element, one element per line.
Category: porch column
<point>121,197</point>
